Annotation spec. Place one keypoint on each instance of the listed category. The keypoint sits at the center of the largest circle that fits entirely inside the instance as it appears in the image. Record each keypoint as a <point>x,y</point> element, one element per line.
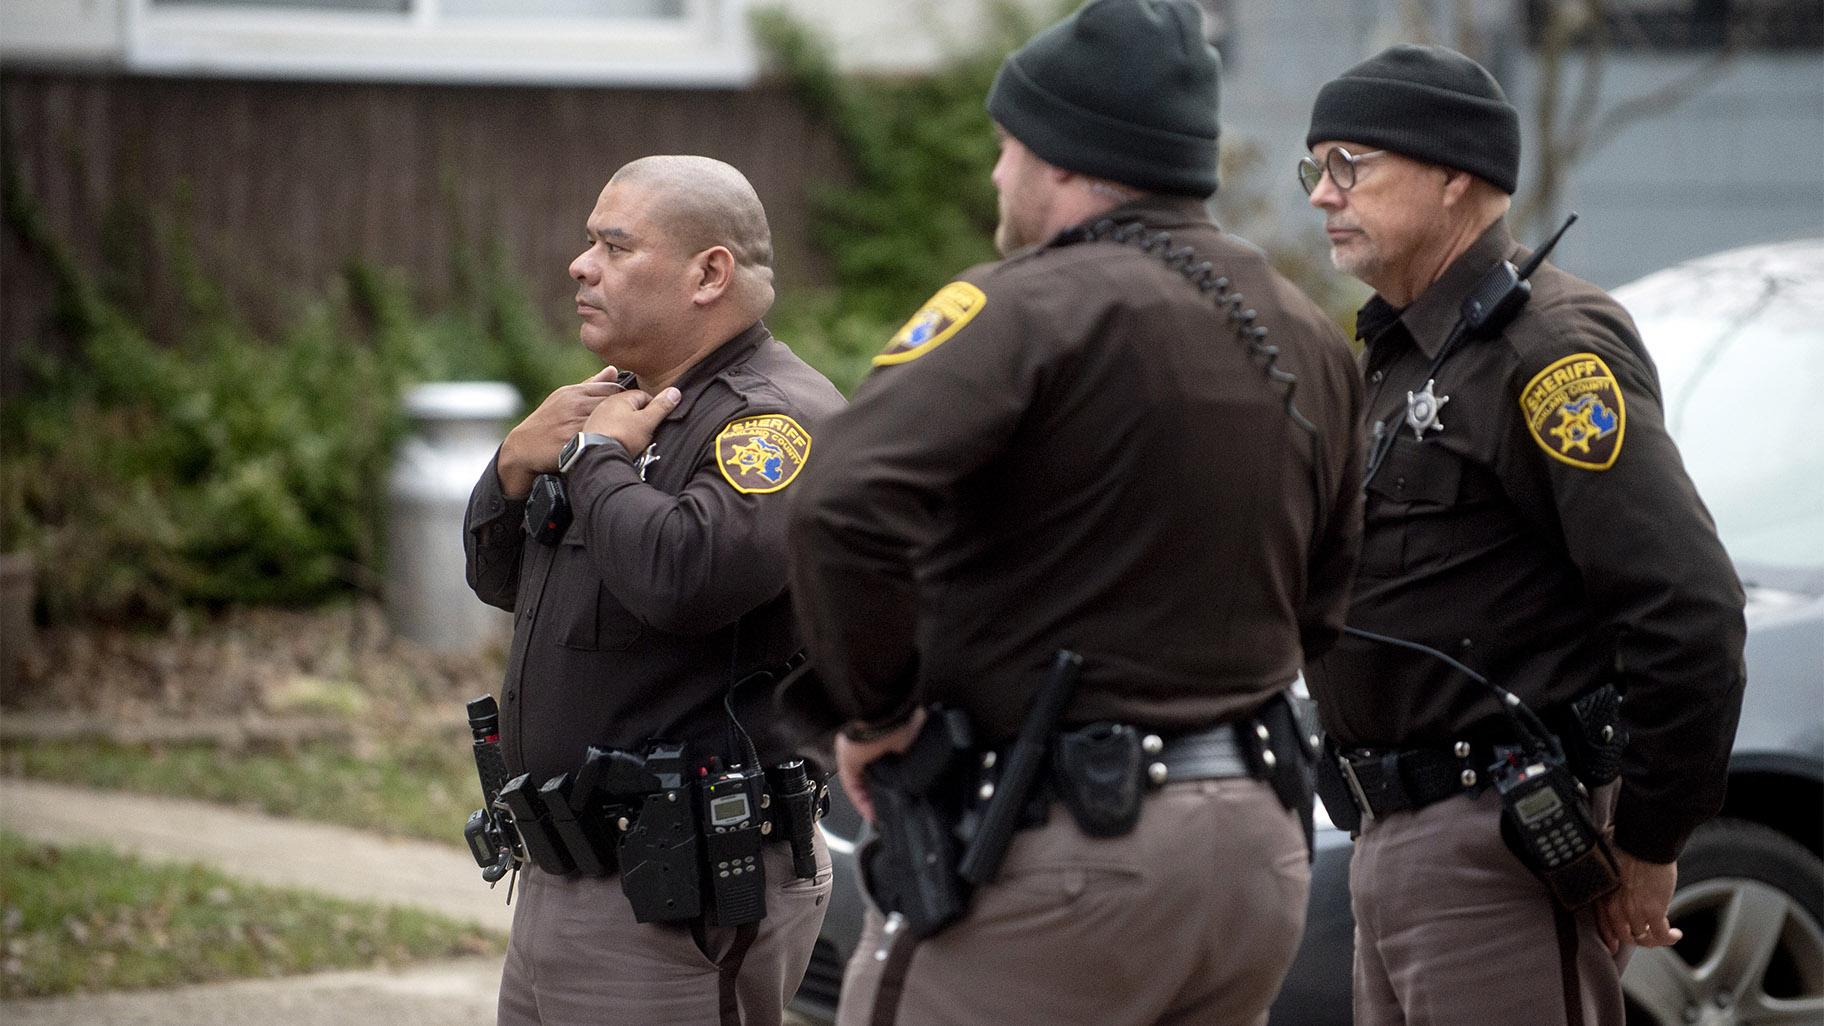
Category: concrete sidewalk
<point>448,994</point>
<point>252,846</point>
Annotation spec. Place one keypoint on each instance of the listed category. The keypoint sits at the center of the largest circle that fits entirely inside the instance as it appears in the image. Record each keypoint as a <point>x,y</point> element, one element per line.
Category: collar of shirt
<point>694,381</point>
<point>1374,318</point>
<point>1153,211</point>
<point>1429,318</point>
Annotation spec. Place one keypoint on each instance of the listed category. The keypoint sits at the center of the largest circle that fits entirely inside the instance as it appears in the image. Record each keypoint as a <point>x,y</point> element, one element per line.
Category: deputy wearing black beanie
<point>1521,494</point>
<point>1125,90</point>
<point>1428,103</point>
<point>1109,403</point>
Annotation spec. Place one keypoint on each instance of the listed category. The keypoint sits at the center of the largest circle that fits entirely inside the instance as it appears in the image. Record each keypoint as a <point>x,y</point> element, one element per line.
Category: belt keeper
<point>1156,772</point>
<point>1267,759</point>
<point>1394,781</point>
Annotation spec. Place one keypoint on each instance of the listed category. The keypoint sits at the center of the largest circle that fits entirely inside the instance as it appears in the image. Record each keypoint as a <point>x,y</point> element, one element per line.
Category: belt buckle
<point>1355,787</point>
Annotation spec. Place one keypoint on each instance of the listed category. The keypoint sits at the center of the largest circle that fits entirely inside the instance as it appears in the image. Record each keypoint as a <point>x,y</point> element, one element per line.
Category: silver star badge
<point>1422,410</point>
<point>647,459</point>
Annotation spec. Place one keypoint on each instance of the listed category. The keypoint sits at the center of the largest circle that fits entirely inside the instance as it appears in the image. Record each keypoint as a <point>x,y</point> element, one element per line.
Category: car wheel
<point>1751,903</point>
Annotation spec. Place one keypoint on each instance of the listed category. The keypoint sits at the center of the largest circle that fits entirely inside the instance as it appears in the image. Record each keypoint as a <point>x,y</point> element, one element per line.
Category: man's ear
<point>712,273</point>
<point>1457,186</point>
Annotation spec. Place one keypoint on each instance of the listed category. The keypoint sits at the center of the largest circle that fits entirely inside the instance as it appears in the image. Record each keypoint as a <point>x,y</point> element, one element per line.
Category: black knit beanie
<point>1426,102</point>
<point>1124,90</point>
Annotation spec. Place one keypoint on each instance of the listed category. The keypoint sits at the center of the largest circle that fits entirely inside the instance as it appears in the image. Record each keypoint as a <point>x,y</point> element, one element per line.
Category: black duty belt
<point>1225,751</point>
<point>1385,781</point>
<point>1212,754</point>
<point>1381,781</point>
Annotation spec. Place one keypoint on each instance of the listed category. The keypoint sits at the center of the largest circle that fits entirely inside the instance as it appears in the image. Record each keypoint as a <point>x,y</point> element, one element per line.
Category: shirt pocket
<point>1410,500</point>
<point>591,619</point>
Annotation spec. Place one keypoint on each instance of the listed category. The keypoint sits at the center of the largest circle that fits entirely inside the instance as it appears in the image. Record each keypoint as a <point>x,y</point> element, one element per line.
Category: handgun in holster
<point>918,871</point>
<point>909,868</point>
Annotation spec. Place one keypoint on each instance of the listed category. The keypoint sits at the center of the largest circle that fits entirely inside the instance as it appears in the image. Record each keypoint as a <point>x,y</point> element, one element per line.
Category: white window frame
<point>708,46</point>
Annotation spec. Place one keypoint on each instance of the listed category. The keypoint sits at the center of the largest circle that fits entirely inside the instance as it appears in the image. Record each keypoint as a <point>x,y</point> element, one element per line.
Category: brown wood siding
<point>282,183</point>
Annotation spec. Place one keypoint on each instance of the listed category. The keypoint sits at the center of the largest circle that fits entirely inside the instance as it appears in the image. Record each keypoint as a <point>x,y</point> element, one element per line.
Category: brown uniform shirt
<point>1548,537</point>
<point>669,585</point>
<point>1073,448</point>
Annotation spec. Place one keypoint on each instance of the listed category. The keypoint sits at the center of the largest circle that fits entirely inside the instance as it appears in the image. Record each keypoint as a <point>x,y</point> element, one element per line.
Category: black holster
<point>1592,733</point>
<point>1282,748</point>
<point>910,867</point>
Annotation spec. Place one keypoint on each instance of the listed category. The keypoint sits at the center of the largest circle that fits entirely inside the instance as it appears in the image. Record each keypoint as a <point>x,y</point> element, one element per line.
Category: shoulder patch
<point>762,454</point>
<point>942,316</point>
<point>1575,411</point>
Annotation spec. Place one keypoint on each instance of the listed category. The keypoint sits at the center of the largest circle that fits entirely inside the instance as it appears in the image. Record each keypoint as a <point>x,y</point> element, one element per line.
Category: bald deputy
<point>638,613</point>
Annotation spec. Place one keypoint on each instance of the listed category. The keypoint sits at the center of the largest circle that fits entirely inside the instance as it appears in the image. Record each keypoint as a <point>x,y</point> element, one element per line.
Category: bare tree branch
<point>1415,21</point>
<point>1657,101</point>
<point>1589,93</point>
<point>1569,129</point>
<point>1585,125</point>
<point>1554,40</point>
<point>1470,38</point>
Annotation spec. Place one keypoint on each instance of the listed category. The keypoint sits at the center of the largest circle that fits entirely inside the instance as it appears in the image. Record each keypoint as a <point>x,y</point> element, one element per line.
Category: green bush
<point>920,207</point>
<point>165,462</point>
<point>224,465</point>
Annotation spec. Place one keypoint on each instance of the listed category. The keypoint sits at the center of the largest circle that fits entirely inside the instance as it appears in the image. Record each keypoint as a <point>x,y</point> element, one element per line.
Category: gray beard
<point>1356,265</point>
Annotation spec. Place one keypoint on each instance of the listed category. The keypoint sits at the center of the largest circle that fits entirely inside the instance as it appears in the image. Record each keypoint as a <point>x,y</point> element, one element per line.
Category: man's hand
<point>630,418</point>
<point>531,448</point>
<point>1636,912</point>
<point>853,756</point>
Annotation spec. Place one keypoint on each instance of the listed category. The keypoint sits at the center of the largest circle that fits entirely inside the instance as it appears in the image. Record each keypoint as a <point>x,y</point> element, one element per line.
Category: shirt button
<point>1376,377</point>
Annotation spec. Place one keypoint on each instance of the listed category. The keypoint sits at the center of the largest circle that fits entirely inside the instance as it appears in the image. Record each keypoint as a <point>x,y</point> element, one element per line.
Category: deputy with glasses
<point>1525,513</point>
<point>1338,163</point>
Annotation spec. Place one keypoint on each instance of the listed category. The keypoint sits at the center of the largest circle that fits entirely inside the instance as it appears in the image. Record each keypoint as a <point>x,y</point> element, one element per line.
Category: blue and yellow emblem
<point>762,454</point>
<point>1575,411</point>
<point>942,316</point>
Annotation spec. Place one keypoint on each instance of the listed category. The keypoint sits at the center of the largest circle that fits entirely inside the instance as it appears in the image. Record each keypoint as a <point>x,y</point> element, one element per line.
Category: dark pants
<point>1451,928</point>
<point>1191,918</point>
<point>577,957</point>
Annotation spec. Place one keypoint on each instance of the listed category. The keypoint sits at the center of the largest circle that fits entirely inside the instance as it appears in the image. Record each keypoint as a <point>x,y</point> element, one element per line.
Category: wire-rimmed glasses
<point>1339,163</point>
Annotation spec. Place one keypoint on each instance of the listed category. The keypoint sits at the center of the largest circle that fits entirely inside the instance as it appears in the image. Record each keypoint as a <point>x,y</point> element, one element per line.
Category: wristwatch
<point>573,449</point>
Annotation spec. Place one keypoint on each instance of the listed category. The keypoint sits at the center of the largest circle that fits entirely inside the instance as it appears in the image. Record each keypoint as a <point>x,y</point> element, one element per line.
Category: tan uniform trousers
<point>576,956</point>
<point>1192,918</point>
<point>1452,930</point>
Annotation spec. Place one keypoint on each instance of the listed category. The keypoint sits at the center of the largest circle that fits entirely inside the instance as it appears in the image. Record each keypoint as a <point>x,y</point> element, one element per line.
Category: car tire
<point>1751,903</point>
